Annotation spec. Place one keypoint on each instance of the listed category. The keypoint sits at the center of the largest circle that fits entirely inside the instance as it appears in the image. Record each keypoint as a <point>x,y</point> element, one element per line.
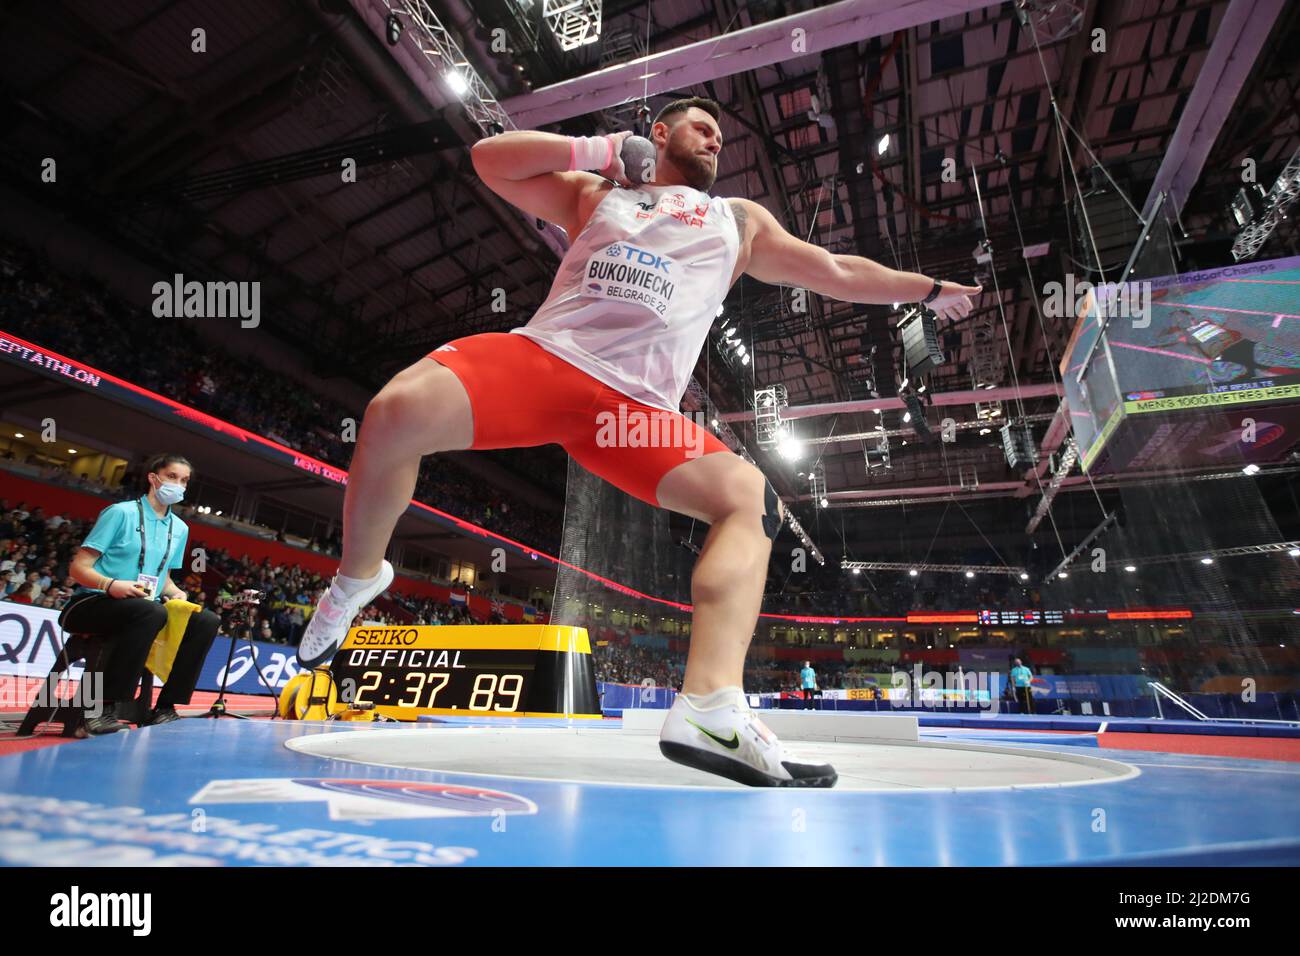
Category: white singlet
<point>634,296</point>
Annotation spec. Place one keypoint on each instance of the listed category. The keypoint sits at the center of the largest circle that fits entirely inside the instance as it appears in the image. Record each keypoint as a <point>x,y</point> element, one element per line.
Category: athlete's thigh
<point>715,486</point>
<point>425,407</point>
<point>633,446</point>
<point>518,394</point>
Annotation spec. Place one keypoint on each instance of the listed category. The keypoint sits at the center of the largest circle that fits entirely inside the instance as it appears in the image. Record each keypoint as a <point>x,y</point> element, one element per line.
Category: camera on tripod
<point>242,604</point>
<point>249,597</point>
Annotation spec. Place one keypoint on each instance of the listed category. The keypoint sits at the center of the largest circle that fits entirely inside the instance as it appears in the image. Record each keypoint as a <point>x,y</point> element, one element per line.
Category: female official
<point>123,572</point>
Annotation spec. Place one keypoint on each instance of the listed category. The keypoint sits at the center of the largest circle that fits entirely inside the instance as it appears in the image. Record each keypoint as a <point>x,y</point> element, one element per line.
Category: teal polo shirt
<point>116,536</point>
<point>1021,676</point>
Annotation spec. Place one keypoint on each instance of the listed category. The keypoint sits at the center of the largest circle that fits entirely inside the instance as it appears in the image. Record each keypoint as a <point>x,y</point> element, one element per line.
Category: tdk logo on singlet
<point>639,256</point>
<point>624,272</point>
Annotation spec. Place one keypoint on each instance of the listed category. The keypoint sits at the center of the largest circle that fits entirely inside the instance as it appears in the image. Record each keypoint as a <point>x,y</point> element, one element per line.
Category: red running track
<point>1251,748</point>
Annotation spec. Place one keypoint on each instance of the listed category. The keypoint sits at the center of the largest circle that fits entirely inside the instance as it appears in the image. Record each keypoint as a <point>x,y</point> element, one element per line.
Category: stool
<point>70,712</point>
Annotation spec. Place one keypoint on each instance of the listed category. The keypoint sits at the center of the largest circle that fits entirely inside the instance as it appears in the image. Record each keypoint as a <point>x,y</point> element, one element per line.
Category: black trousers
<point>1025,698</point>
<point>130,625</point>
<point>808,697</point>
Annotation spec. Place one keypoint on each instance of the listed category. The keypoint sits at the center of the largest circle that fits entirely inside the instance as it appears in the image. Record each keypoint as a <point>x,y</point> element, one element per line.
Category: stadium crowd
<point>626,663</point>
<point>36,549</point>
<point>38,303</point>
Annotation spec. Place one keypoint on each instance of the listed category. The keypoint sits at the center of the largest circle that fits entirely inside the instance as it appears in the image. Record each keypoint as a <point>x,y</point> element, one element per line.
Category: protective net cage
<point>1208,607</point>
<point>1189,538</point>
<point>626,578</point>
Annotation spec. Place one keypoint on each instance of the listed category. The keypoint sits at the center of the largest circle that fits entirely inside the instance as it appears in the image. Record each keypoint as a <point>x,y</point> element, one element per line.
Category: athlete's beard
<point>699,171</point>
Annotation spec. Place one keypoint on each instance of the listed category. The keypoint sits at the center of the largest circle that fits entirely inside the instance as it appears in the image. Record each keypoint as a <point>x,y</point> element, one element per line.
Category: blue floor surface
<point>230,793</point>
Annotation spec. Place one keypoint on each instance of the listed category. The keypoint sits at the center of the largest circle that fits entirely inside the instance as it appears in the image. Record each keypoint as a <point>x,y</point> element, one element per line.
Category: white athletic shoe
<point>334,612</point>
<point>727,738</point>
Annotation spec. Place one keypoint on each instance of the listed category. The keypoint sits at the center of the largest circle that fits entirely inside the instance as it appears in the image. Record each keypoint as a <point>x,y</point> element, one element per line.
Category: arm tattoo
<point>741,217</point>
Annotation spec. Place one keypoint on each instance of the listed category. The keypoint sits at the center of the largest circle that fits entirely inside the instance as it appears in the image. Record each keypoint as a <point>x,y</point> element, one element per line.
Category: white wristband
<point>590,152</point>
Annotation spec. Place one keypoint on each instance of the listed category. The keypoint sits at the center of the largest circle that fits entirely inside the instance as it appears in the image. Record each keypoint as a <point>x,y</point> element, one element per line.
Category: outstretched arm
<point>781,259</point>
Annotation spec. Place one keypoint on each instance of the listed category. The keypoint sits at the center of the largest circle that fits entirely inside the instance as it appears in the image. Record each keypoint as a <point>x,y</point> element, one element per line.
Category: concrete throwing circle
<point>609,758</point>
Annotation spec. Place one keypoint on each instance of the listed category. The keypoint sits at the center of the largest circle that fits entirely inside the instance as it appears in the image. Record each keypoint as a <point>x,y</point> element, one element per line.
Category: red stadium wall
<point>56,499</point>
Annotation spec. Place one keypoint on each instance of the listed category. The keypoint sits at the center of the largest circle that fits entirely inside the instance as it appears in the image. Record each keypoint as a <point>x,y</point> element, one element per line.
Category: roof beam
<point>968,397</point>
<point>848,21</point>
<point>1240,37</point>
<point>71,32</point>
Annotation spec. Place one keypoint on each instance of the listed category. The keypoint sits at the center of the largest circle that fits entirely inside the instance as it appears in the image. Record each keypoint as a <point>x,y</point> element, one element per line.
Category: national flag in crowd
<point>530,613</point>
<point>499,607</point>
<point>459,598</point>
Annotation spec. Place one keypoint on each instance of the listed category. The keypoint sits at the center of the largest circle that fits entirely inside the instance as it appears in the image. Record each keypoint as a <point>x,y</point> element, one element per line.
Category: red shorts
<point>522,395</point>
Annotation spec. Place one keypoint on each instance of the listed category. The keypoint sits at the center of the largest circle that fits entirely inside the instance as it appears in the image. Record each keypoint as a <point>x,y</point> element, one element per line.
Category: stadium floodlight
<point>456,82</point>
<point>441,52</point>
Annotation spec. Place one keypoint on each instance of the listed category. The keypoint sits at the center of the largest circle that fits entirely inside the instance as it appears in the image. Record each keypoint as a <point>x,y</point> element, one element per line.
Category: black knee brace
<point>771,512</point>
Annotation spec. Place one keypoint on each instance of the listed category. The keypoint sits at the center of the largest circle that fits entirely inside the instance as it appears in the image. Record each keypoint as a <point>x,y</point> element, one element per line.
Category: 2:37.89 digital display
<point>499,693</point>
<point>411,672</point>
<point>473,680</point>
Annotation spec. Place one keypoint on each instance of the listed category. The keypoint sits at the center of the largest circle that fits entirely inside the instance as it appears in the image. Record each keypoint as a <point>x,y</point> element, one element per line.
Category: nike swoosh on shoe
<point>731,744</point>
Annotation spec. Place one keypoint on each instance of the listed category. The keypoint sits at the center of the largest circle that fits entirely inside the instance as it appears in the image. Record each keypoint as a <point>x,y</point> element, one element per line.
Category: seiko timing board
<point>498,670</point>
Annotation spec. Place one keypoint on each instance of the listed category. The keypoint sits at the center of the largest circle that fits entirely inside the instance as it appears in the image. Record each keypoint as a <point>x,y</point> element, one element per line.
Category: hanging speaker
<point>916,413</point>
<point>1018,445</point>
<point>920,335</point>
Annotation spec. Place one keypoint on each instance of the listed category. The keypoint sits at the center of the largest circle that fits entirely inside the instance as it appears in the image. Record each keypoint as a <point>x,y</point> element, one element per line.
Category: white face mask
<point>170,492</point>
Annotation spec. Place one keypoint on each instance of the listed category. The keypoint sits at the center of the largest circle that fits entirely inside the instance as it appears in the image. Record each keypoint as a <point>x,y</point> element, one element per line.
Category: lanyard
<point>167,552</point>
